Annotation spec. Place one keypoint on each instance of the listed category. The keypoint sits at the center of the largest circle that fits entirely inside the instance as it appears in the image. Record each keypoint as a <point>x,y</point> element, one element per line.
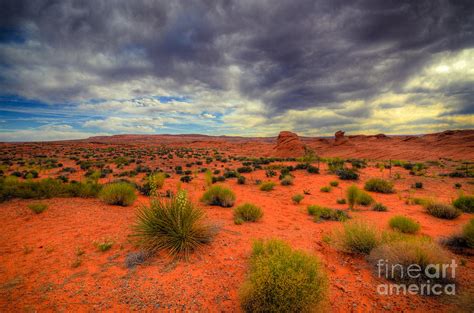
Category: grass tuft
<point>404,224</point>
<point>122,194</point>
<point>219,195</point>
<point>282,280</point>
<point>174,225</point>
<point>248,212</point>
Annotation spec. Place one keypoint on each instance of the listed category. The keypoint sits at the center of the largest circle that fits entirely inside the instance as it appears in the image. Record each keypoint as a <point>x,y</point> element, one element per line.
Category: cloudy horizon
<point>74,69</point>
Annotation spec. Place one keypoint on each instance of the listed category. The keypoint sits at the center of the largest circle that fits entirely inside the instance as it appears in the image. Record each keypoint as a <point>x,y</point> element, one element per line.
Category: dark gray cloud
<point>291,54</point>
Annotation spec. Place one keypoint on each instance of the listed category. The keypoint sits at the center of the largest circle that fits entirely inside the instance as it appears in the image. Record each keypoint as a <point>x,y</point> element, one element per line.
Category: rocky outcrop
<point>339,138</point>
<point>288,145</point>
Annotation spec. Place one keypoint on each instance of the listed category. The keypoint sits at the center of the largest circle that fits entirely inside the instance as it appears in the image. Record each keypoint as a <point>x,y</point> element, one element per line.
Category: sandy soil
<point>38,253</point>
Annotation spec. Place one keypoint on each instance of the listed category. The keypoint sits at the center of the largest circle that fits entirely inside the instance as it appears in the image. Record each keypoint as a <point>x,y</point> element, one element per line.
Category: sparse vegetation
<point>248,212</point>
<point>323,213</point>
<point>38,207</point>
<point>174,225</point>
<point>104,245</point>
<point>398,255</point>
<point>282,280</point>
<point>464,203</point>
<point>297,198</point>
<point>267,186</point>
<point>379,185</point>
<point>287,180</point>
<point>444,211</point>
<point>122,194</point>
<point>379,207</point>
<point>404,224</point>
<point>219,195</point>
<point>356,237</point>
<point>325,189</point>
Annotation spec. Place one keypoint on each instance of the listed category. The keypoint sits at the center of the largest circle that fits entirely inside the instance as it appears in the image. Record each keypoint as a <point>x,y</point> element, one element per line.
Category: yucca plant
<point>174,225</point>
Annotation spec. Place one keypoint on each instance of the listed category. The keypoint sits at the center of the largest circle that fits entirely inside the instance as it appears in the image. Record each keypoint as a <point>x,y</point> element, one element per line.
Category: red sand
<point>37,251</point>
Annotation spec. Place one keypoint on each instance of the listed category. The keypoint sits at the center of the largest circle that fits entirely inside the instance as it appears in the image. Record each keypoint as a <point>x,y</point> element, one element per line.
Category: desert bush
<point>363,198</point>
<point>241,180</point>
<point>351,194</point>
<point>244,169</point>
<point>464,203</point>
<point>174,225</point>
<point>325,189</point>
<point>104,245</point>
<point>356,237</point>
<point>208,178</point>
<point>323,213</point>
<point>297,198</point>
<point>267,186</point>
<point>37,207</point>
<point>404,224</point>
<point>286,180</point>
<point>281,279</point>
<point>334,183</point>
<point>186,179</point>
<point>347,174</point>
<point>118,194</point>
<point>248,212</point>
<point>379,185</point>
<point>444,211</point>
<point>312,169</point>
<point>219,195</point>
<point>418,185</point>
<point>379,207</point>
<point>468,233</point>
<point>341,201</point>
<point>400,255</point>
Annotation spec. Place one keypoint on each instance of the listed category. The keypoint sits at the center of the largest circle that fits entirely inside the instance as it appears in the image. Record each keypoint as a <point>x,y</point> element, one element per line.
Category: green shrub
<point>267,186</point>
<point>118,194</point>
<point>444,211</point>
<point>323,213</point>
<point>347,174</point>
<point>352,193</point>
<point>465,203</point>
<point>325,189</point>
<point>468,233</point>
<point>37,207</point>
<point>400,255</point>
<point>379,185</point>
<point>287,180</point>
<point>379,207</point>
<point>219,195</point>
<point>404,224</point>
<point>297,198</point>
<point>334,183</point>
<point>174,225</point>
<point>282,280</point>
<point>363,198</point>
<point>356,237</point>
<point>241,180</point>
<point>341,201</point>
<point>104,245</point>
<point>248,212</point>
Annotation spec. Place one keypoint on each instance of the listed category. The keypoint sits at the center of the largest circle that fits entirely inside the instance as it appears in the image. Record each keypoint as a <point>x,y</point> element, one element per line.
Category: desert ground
<point>52,261</point>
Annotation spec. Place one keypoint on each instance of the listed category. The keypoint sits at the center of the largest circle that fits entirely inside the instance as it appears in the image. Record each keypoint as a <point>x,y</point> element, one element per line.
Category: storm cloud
<point>259,60</point>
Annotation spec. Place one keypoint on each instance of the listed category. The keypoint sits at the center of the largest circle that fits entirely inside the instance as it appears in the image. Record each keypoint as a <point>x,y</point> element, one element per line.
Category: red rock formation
<point>288,145</point>
<point>340,139</point>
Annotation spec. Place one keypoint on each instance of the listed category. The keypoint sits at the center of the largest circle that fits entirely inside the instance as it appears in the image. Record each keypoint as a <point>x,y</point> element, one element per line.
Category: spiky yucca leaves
<point>174,225</point>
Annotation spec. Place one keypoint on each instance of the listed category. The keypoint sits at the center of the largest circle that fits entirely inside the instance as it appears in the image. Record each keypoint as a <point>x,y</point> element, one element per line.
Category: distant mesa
<point>340,138</point>
<point>288,145</point>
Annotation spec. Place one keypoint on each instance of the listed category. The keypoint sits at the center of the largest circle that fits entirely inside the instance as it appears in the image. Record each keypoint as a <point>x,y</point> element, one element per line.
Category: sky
<point>75,69</point>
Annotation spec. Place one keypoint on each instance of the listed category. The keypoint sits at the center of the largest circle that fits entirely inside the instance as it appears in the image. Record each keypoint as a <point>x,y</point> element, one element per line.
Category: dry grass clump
<point>282,280</point>
<point>247,212</point>
<point>122,194</point>
<point>219,195</point>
